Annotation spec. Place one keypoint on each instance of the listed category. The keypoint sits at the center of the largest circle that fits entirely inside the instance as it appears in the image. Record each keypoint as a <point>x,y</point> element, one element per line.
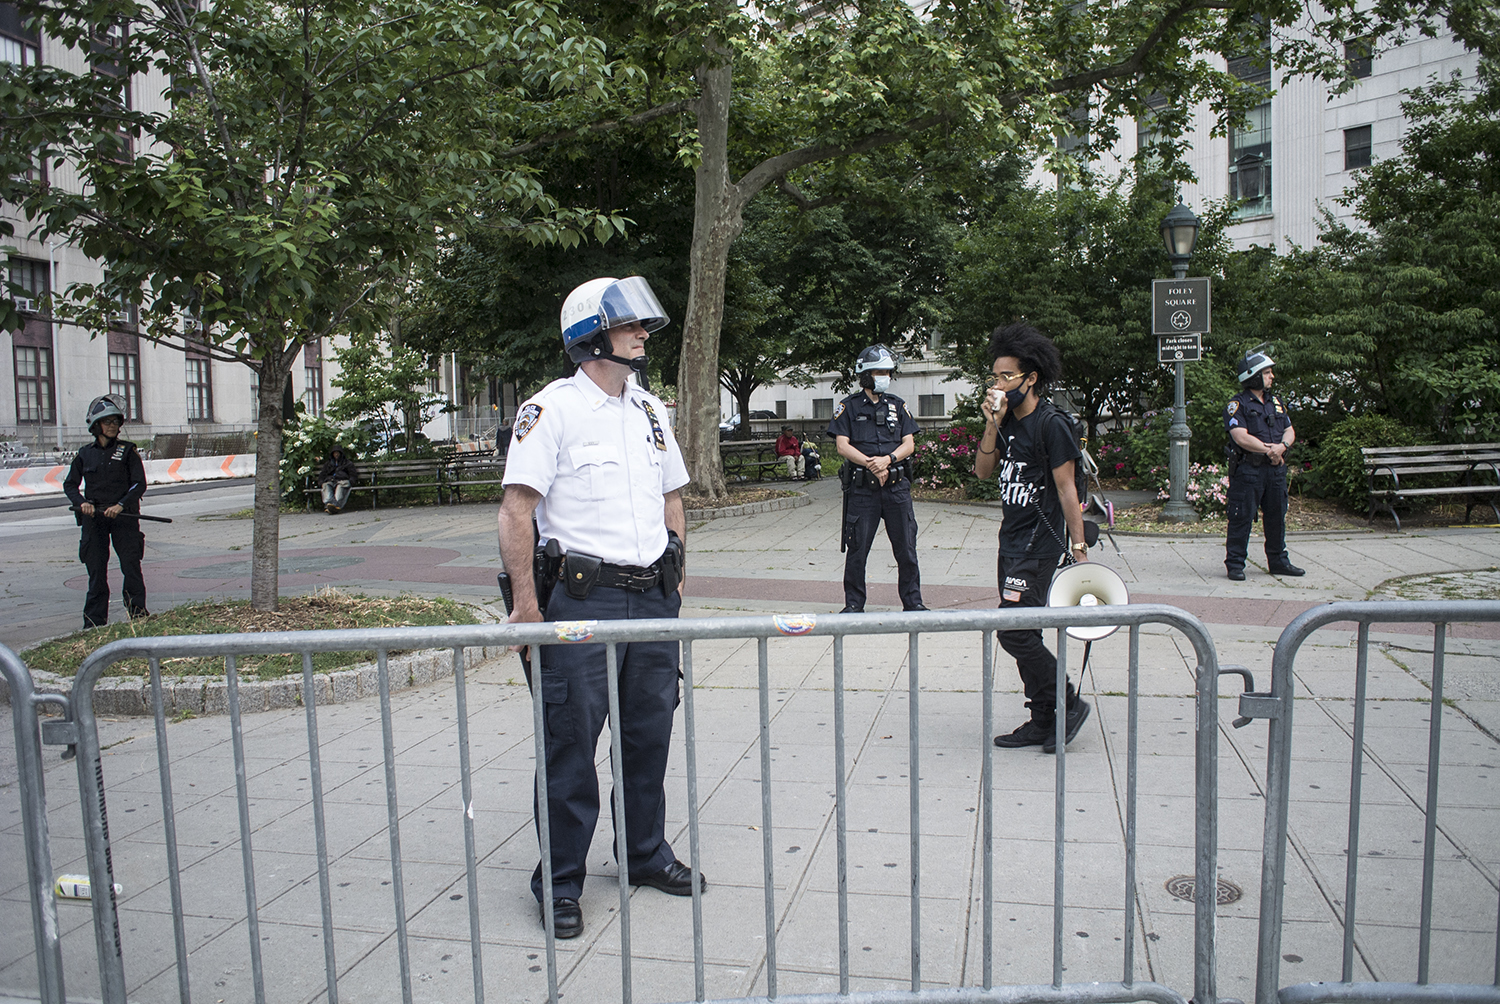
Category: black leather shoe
<point>675,880</point>
<point>1077,715</point>
<point>1287,569</point>
<point>1237,574</point>
<point>567,917</point>
<point>1029,734</point>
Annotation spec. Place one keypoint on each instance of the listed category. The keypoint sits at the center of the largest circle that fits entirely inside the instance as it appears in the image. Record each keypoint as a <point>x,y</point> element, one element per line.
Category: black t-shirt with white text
<point>1030,448</point>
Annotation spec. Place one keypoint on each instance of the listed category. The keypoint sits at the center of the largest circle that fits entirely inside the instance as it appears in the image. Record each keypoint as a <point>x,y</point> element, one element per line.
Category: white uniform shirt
<point>602,465</point>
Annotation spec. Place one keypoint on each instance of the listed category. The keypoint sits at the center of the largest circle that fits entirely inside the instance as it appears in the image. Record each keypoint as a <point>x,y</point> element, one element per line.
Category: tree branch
<point>639,118</point>
<point>801,201</point>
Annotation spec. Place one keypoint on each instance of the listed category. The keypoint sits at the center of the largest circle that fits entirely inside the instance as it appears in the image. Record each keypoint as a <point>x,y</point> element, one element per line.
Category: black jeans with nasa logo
<point>1024,583</point>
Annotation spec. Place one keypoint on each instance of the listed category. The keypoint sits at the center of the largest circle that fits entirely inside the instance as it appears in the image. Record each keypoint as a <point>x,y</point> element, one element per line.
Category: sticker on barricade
<point>575,630</point>
<point>795,624</point>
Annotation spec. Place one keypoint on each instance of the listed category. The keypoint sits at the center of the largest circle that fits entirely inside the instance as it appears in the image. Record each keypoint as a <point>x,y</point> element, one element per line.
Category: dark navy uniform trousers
<point>1253,489</point>
<point>93,551</point>
<point>867,507</point>
<point>576,695</point>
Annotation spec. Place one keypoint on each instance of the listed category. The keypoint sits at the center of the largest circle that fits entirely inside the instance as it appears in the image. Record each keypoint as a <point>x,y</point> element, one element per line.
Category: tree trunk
<point>717,220</point>
<point>742,398</point>
<point>266,549</point>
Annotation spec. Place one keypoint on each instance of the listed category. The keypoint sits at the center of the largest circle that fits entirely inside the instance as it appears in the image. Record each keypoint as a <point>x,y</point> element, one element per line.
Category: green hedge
<point>1337,466</point>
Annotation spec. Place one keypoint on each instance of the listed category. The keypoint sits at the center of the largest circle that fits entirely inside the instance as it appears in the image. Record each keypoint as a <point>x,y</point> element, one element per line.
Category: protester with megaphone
<point>1029,445</point>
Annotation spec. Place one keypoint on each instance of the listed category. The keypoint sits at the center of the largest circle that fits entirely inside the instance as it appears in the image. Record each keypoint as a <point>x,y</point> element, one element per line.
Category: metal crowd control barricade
<point>1277,706</point>
<point>24,702</point>
<point>82,730</point>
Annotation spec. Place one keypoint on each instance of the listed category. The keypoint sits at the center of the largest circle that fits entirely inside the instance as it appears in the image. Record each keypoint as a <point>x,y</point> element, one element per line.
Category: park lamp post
<point>1179,231</point>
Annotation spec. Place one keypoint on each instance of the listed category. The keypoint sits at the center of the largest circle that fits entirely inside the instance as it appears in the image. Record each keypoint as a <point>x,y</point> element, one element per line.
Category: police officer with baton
<point>113,479</point>
<point>1260,434</point>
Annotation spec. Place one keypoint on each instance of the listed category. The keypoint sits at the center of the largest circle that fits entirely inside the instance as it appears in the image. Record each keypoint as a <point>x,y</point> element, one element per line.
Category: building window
<point>781,408</point>
<point>312,374</point>
<point>1359,55</point>
<point>1356,147</point>
<point>200,389</point>
<point>822,407</point>
<point>931,406</point>
<point>33,383</point>
<point>1250,143</point>
<point>19,43</point>
<point>31,276</point>
<point>125,372</point>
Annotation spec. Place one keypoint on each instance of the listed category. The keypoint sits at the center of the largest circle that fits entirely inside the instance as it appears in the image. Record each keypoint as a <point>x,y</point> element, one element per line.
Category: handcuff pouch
<point>580,573</point>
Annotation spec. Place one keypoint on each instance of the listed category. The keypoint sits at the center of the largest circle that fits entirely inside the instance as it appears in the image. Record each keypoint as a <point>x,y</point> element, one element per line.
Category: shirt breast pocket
<point>599,471</point>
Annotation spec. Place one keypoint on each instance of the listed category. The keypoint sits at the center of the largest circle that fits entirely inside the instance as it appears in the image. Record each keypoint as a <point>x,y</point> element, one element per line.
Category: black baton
<point>99,511</point>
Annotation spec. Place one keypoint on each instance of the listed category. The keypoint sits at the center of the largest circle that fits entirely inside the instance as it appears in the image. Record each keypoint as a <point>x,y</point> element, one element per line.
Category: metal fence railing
<point>1278,706</point>
<point>80,729</point>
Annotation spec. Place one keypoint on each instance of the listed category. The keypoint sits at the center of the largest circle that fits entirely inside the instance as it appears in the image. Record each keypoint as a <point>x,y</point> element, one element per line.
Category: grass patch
<point>324,610</point>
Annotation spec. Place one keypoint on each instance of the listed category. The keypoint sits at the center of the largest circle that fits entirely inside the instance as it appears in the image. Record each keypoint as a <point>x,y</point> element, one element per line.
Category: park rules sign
<point>1180,306</point>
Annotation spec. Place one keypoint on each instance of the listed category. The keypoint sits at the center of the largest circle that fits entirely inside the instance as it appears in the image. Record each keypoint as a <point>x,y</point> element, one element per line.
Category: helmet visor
<point>631,300</point>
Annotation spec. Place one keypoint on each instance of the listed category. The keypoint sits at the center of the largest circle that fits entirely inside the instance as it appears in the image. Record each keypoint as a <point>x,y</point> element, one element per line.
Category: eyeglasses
<point>1006,377</point>
<point>109,421</point>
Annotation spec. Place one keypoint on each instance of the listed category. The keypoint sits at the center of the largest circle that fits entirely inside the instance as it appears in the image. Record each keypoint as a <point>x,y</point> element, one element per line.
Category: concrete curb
<point>751,508</point>
<point>209,695</point>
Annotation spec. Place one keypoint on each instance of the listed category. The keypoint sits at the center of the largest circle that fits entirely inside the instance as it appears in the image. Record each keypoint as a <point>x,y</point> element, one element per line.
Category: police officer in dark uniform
<point>875,434</point>
<point>113,479</point>
<point>1260,433</point>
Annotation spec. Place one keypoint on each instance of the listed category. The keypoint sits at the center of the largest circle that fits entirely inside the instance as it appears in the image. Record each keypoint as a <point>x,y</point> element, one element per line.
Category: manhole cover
<point>295,565</point>
<point>1182,887</point>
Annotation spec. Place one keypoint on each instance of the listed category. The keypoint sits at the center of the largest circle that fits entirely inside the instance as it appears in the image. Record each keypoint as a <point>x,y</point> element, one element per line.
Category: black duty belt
<point>633,578</point>
<point>1256,459</point>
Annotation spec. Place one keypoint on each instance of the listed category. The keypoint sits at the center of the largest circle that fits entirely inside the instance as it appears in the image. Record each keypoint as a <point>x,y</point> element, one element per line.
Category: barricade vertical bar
<point>766,843</point>
<point>169,830</point>
<point>466,787</point>
<point>1356,785</point>
<point>987,800</point>
<point>247,855</point>
<point>841,810</point>
<point>27,731</point>
<point>320,825</point>
<point>1059,814</point>
<point>1206,826</point>
<point>1434,760</point>
<point>531,661</point>
<point>393,824</point>
<point>108,942</point>
<point>914,788</point>
<point>622,843</point>
<point>689,725</point>
<point>1132,748</point>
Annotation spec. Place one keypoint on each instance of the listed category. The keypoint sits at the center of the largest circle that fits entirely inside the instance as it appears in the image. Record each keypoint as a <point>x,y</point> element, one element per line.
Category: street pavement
<point>787,561</point>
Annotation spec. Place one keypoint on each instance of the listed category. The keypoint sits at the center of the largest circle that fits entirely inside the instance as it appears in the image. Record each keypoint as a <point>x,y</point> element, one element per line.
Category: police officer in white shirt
<point>593,458</point>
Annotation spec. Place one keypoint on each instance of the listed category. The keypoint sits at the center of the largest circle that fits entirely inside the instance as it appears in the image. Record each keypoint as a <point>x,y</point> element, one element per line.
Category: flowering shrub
<point>945,459</point>
<point>1207,487</point>
<point>305,445</point>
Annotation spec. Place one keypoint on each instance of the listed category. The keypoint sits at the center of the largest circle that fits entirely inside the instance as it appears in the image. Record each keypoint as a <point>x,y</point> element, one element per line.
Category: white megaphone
<point>1088,584</point>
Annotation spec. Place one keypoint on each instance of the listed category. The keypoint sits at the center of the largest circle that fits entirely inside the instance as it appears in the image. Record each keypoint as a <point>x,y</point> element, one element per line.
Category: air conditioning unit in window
<point>25,305</point>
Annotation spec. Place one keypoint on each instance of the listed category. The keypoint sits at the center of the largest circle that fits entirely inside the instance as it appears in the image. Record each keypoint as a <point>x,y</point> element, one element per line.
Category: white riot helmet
<point>600,304</point>
<point>1253,363</point>
<point>876,357</point>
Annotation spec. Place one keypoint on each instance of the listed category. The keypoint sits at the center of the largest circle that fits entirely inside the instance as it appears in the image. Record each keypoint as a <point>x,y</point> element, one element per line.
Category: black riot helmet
<point>103,407</point>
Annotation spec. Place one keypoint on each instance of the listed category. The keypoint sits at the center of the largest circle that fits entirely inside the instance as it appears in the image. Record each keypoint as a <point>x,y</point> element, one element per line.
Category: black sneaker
<point>1077,715</point>
<point>1029,734</point>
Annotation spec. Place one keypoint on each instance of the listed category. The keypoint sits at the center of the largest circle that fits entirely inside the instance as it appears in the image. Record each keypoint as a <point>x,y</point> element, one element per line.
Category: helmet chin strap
<point>638,364</point>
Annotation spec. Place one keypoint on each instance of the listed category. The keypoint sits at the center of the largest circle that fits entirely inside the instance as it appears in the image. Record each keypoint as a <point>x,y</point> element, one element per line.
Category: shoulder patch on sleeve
<point>1234,405</point>
<point>838,409</point>
<point>526,421</point>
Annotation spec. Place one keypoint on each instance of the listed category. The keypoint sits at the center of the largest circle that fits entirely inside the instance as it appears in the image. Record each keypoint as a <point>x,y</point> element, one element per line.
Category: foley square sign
<point>1179,306</point>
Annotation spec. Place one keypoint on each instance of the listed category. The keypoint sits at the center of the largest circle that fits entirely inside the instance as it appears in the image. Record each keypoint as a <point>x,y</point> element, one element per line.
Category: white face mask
<point>881,383</point>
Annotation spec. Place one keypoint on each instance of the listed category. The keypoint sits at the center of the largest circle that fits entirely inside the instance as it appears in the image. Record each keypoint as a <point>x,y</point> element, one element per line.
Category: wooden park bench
<point>472,469</point>
<point>1471,470</point>
<point>749,459</point>
<point>389,475</point>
